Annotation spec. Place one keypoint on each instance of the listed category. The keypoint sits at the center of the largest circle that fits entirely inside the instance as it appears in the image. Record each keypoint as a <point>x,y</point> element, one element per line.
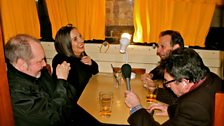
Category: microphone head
<point>126,70</point>
<point>124,42</point>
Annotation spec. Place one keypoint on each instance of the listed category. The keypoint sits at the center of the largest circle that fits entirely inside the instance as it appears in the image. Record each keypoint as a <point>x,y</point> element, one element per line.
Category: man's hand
<point>62,70</point>
<point>162,109</point>
<point>131,99</point>
<point>147,80</point>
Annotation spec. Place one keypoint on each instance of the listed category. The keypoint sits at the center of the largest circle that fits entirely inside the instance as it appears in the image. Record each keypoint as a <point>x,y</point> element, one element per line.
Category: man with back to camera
<point>169,40</point>
<point>194,85</point>
<point>36,100</point>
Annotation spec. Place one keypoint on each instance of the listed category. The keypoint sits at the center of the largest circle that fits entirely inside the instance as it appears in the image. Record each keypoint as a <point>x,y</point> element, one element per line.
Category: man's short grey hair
<point>18,47</point>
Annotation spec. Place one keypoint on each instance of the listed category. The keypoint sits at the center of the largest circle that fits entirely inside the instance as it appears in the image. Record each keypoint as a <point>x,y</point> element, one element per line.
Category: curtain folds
<point>19,18</point>
<point>87,15</point>
<point>191,18</point>
<point>220,2</point>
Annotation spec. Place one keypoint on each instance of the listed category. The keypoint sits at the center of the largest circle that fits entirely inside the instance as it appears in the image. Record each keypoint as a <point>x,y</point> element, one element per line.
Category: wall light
<point>124,42</point>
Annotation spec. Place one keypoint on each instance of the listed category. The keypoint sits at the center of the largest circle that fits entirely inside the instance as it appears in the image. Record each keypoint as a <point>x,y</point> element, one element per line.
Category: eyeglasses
<point>167,82</point>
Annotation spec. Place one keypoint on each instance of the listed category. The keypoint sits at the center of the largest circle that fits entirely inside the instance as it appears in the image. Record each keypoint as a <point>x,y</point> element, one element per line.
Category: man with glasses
<point>194,85</point>
<point>169,40</point>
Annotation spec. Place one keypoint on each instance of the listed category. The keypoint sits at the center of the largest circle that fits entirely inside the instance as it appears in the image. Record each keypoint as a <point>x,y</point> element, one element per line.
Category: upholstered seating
<point>219,110</point>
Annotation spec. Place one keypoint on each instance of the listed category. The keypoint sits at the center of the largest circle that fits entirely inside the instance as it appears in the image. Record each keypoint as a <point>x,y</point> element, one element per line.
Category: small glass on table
<point>105,101</point>
<point>152,91</point>
<point>151,96</point>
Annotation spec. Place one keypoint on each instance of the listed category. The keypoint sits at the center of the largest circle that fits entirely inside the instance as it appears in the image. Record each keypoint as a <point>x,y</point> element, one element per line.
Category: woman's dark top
<point>79,74</point>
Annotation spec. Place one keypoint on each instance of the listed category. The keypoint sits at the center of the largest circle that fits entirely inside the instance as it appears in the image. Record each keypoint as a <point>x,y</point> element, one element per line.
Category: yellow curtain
<point>87,15</point>
<point>19,17</point>
<point>191,18</point>
<point>220,2</point>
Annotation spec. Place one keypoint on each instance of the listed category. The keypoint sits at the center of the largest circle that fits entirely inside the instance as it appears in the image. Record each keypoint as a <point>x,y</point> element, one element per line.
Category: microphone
<point>126,72</point>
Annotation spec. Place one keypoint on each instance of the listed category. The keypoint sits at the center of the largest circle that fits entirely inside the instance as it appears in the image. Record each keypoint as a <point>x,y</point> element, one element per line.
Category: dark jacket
<point>36,101</point>
<point>194,108</point>
<point>79,74</point>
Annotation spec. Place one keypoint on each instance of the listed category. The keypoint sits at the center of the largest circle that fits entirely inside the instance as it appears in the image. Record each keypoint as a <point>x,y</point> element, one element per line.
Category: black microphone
<point>126,72</point>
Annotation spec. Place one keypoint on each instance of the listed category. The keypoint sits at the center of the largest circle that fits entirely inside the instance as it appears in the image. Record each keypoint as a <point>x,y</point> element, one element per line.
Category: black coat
<point>192,109</point>
<point>36,101</point>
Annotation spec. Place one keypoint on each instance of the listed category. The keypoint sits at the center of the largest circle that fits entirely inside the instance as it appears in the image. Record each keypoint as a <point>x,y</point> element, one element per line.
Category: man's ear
<point>185,81</point>
<point>186,84</point>
<point>21,65</point>
<point>176,46</point>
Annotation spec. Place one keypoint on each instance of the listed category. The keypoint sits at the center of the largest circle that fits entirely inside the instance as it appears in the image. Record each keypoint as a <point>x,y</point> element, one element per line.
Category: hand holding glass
<point>152,91</point>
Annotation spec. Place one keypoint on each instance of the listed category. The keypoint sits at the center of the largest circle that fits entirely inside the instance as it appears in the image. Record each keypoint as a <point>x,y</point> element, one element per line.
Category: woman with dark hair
<point>69,45</point>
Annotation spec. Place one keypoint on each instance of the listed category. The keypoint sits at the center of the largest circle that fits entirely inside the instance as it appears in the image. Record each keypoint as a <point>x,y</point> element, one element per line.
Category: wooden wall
<point>6,115</point>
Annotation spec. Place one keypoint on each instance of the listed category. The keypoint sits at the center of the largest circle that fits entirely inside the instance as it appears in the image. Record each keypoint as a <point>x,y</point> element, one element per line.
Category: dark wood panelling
<point>6,115</point>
